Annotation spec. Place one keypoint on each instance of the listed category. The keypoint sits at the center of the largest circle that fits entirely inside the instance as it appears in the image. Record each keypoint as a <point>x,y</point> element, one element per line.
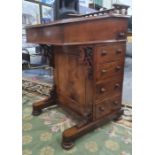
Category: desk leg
<point>73,133</point>
<point>49,101</point>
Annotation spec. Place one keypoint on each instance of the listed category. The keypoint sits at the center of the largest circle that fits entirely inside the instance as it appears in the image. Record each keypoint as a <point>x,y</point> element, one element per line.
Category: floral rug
<point>42,134</point>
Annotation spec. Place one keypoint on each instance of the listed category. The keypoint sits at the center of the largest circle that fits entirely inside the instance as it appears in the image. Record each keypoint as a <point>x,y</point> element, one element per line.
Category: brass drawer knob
<point>118,51</point>
<point>102,109</point>
<point>103,90</point>
<point>104,53</point>
<point>118,68</point>
<point>115,102</point>
<point>117,85</point>
<point>104,71</point>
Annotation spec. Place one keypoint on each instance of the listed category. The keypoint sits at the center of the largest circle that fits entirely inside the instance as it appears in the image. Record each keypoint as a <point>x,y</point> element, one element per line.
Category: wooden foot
<point>71,134</point>
<point>67,146</point>
<point>36,112</point>
<point>117,118</point>
<point>38,106</point>
<point>49,101</point>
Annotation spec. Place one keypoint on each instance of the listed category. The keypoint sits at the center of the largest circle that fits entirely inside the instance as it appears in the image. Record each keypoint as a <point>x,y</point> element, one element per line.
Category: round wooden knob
<point>118,68</point>
<point>117,85</point>
<point>103,90</point>
<point>104,71</point>
<point>118,51</point>
<point>103,53</point>
<point>115,102</point>
<point>102,108</point>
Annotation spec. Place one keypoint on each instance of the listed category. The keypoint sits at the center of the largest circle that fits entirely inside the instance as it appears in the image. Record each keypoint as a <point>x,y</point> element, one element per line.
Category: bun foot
<point>70,135</point>
<point>118,116</point>
<point>67,145</point>
<point>36,112</point>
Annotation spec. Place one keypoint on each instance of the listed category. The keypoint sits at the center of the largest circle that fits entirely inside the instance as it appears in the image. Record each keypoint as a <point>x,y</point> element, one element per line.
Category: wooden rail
<point>117,9</point>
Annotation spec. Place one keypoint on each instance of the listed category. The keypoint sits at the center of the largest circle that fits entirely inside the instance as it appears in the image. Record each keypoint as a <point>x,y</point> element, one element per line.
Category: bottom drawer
<point>107,106</point>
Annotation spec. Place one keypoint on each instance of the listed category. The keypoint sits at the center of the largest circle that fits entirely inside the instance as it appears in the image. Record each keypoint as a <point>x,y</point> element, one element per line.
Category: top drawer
<point>109,52</point>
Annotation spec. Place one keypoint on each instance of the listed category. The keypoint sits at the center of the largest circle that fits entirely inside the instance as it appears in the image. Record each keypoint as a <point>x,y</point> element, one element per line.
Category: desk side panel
<point>71,78</point>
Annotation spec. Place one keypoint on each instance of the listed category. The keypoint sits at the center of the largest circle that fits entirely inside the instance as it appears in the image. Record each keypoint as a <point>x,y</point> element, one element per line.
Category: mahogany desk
<point>87,55</point>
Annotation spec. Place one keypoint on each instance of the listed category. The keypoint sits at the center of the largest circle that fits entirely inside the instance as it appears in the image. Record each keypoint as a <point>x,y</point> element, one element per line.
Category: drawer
<point>107,106</point>
<point>108,88</point>
<point>109,52</point>
<point>116,102</point>
<point>109,70</point>
<point>102,109</point>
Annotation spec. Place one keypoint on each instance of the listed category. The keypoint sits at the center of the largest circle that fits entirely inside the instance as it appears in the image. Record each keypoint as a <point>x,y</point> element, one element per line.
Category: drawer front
<point>107,106</point>
<point>116,102</point>
<point>108,88</point>
<point>109,52</point>
<point>109,70</point>
<point>102,109</point>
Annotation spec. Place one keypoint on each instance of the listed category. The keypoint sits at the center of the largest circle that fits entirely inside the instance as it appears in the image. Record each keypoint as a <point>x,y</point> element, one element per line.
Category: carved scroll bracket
<point>48,52</point>
<point>88,60</point>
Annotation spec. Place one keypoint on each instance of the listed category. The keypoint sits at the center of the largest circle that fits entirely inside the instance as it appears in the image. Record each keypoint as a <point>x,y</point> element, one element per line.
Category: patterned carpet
<point>42,134</point>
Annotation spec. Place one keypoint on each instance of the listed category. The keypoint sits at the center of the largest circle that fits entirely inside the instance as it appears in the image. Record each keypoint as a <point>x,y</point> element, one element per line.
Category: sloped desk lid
<point>78,31</point>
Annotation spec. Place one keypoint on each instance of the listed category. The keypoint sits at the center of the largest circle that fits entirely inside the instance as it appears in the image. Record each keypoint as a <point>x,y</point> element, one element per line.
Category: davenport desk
<point>87,55</point>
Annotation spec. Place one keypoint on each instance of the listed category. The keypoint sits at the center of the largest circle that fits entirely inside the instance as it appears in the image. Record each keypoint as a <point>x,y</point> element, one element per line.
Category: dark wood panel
<point>71,104</point>
<point>71,76</point>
